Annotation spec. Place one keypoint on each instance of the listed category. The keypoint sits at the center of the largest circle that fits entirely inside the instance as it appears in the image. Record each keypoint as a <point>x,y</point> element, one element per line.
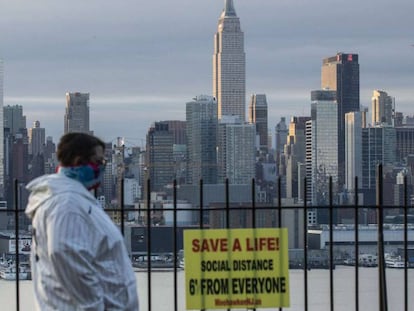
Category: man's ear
<point>77,161</point>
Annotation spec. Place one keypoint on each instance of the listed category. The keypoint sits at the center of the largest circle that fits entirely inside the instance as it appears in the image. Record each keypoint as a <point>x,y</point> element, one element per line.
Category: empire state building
<point>229,65</point>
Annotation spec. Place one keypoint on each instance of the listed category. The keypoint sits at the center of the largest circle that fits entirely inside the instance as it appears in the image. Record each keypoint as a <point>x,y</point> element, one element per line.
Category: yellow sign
<point>236,268</point>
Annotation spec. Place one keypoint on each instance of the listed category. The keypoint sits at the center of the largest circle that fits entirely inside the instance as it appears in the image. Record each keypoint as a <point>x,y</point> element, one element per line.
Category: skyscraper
<point>281,133</point>
<point>177,128</point>
<point>201,117</point>
<point>229,65</point>
<point>37,136</point>
<point>324,144</point>
<point>1,133</point>
<point>15,158</point>
<point>379,146</point>
<point>20,157</point>
<point>236,150</point>
<point>309,129</point>
<point>77,113</point>
<point>159,162</point>
<point>295,152</point>
<point>340,73</point>
<point>353,148</point>
<point>382,108</point>
<point>405,142</point>
<point>49,156</point>
<point>14,118</point>
<point>258,116</point>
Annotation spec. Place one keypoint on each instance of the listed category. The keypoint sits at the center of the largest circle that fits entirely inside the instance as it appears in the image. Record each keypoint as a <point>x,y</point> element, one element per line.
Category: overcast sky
<point>141,61</point>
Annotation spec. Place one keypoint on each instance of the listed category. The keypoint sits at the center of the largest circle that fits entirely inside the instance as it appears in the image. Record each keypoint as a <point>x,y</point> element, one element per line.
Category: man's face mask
<point>90,174</point>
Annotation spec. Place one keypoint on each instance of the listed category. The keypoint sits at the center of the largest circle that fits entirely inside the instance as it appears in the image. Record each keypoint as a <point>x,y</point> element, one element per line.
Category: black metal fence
<point>276,211</point>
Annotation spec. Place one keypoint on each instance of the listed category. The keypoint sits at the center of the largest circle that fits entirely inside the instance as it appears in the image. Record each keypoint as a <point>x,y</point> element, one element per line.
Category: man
<point>79,259</point>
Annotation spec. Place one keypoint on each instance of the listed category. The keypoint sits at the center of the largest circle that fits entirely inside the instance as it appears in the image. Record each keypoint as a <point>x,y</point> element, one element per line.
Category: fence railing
<point>276,212</point>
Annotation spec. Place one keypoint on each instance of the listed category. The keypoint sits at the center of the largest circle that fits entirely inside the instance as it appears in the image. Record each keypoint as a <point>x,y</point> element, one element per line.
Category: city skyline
<point>129,59</point>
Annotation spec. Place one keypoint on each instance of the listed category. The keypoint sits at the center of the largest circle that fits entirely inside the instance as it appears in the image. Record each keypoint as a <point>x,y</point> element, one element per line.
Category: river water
<point>318,290</point>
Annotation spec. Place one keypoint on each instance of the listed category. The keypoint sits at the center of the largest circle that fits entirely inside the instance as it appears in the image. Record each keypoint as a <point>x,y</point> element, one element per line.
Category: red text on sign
<point>262,244</point>
<point>209,245</point>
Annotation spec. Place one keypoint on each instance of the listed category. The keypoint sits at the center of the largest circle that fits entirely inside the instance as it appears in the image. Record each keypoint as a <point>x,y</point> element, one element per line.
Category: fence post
<point>331,244</point>
<point>253,203</point>
<point>279,201</point>
<point>356,246</point>
<point>16,232</point>
<point>254,209</point>
<point>305,246</point>
<point>279,206</point>
<point>175,244</point>
<point>227,204</point>
<point>201,219</point>
<point>405,244</point>
<point>227,209</point>
<point>122,203</point>
<point>149,241</point>
<point>381,264</point>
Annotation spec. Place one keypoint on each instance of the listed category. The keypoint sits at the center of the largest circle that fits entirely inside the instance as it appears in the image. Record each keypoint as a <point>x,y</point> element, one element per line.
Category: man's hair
<point>77,148</point>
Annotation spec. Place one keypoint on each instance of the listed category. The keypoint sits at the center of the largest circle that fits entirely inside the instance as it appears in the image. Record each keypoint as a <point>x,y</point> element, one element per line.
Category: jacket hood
<point>45,187</point>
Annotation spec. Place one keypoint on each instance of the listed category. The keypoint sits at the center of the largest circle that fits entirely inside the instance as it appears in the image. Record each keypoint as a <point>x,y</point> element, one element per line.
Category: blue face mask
<point>89,175</point>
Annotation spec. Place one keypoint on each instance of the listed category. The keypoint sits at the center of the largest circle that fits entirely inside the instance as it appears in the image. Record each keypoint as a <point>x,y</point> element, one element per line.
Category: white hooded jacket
<point>79,259</point>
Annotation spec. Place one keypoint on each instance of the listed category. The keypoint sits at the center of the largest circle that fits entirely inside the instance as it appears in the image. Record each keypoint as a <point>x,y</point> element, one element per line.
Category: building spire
<point>228,8</point>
